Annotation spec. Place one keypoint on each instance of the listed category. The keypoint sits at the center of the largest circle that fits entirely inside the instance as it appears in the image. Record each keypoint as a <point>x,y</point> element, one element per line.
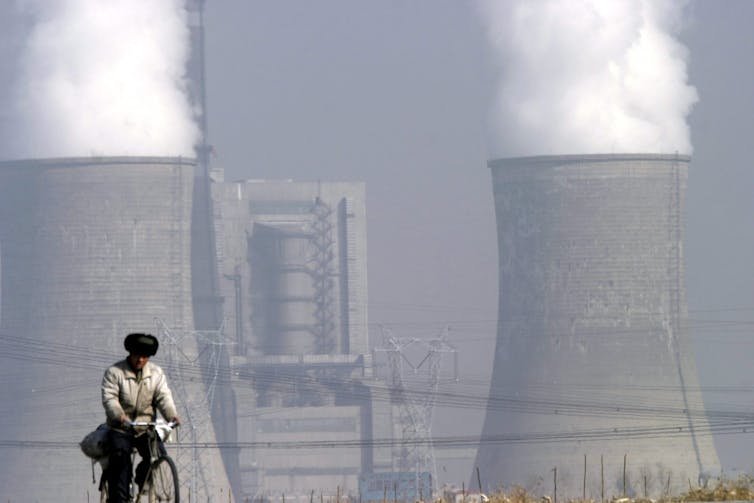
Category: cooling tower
<point>92,248</point>
<point>593,366</point>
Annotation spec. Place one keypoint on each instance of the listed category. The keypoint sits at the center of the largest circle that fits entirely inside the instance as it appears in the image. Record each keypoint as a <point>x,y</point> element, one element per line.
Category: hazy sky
<point>392,93</point>
<point>397,93</point>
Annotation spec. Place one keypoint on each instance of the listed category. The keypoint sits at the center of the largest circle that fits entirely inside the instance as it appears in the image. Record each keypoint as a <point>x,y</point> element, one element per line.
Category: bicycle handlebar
<point>171,424</point>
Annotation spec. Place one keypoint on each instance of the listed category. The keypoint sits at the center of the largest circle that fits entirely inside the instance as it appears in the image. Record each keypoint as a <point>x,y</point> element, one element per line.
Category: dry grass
<point>740,489</point>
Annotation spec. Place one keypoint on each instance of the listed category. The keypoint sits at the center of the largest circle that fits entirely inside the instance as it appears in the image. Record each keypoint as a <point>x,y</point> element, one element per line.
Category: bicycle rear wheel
<point>163,487</point>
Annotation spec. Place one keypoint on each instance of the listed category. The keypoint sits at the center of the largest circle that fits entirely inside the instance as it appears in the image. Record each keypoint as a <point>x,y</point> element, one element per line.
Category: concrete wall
<point>592,342</point>
<point>92,249</point>
<point>298,471</point>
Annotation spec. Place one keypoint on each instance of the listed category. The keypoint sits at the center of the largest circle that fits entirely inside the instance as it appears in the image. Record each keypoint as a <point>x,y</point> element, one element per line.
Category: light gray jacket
<point>140,399</point>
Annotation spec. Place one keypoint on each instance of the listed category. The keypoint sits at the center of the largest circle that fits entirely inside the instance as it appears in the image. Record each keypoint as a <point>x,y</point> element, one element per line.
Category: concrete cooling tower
<point>593,366</point>
<point>92,249</point>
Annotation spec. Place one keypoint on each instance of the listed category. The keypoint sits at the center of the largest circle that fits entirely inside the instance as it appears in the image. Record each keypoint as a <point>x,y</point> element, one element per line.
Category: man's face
<point>138,361</point>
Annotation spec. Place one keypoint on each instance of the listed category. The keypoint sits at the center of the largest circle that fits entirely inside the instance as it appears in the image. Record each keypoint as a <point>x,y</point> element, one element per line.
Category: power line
<point>581,400</point>
<point>602,434</point>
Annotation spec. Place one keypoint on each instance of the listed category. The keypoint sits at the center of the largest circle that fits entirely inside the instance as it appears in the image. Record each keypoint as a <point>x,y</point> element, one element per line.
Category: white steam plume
<point>588,76</point>
<point>100,77</point>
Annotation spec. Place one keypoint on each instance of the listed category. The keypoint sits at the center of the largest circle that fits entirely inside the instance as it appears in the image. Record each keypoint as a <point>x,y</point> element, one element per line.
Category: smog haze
<point>403,96</point>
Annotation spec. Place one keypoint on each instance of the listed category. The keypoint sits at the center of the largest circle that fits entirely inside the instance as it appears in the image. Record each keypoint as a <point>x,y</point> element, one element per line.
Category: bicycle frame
<point>156,432</point>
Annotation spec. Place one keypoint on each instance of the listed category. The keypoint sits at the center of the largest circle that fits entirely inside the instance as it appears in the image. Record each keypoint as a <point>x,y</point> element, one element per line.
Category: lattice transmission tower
<point>193,362</point>
<point>413,388</point>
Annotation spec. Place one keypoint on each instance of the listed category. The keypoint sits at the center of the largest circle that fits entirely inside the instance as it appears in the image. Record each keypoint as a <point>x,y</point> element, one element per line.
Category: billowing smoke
<point>588,76</point>
<point>99,77</point>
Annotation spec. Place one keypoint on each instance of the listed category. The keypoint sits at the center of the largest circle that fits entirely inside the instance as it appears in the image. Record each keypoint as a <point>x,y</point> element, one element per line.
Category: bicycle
<point>161,484</point>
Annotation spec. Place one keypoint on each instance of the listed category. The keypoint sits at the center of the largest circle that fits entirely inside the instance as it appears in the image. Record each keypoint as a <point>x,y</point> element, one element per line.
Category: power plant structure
<point>92,248</point>
<point>592,366</point>
<point>594,382</point>
<point>292,265</point>
<point>256,289</point>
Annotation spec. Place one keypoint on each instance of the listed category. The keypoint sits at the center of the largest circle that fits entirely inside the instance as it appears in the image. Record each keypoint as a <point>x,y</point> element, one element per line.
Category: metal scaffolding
<point>322,273</point>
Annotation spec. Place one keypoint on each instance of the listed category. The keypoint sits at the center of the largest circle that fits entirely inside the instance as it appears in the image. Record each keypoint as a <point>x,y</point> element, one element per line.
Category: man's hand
<point>125,421</point>
<point>176,420</point>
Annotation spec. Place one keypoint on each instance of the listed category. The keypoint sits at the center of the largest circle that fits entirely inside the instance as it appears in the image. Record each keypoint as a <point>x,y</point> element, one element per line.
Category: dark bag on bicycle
<point>95,444</point>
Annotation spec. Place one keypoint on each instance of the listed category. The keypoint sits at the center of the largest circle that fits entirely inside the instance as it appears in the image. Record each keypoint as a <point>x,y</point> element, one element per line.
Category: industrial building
<point>593,374</point>
<point>93,248</point>
<point>292,265</point>
<point>257,291</point>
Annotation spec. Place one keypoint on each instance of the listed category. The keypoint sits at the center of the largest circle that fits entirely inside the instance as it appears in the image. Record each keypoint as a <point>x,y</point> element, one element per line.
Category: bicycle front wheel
<point>163,486</point>
<point>102,491</point>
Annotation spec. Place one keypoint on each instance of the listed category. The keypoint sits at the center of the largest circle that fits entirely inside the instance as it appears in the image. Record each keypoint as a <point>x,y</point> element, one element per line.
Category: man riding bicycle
<point>133,389</point>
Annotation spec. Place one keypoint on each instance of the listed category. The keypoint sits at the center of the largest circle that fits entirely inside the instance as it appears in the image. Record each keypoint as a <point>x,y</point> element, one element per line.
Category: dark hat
<point>141,344</point>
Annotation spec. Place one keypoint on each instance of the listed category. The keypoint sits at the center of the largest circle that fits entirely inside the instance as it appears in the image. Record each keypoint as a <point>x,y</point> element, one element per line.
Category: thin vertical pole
<point>645,487</point>
<point>624,475</point>
<point>555,485</point>
<point>479,479</point>
<point>194,459</point>
<point>602,478</point>
<point>583,491</point>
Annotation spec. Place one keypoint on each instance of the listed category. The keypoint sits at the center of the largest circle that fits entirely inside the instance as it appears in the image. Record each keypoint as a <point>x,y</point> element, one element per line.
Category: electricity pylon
<point>416,397</point>
<point>193,363</point>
